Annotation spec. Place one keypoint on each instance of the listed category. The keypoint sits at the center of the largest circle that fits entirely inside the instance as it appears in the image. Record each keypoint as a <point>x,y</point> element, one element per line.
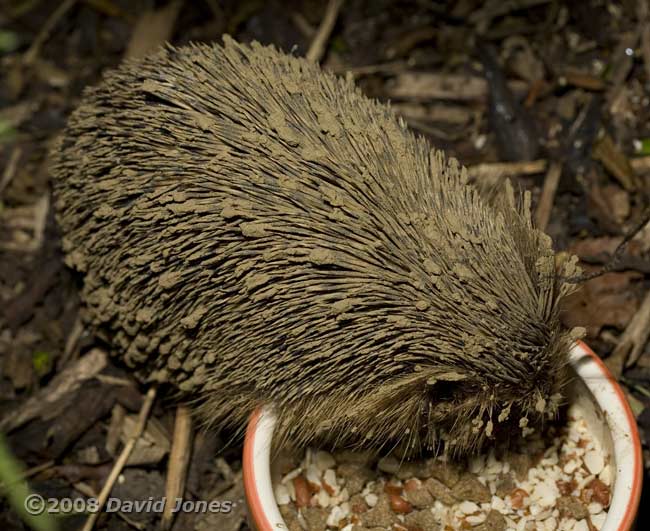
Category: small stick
<point>643,14</point>
<point>32,53</point>
<point>124,456</point>
<point>317,48</point>
<point>618,253</point>
<point>30,472</point>
<point>640,164</point>
<point>632,340</point>
<point>506,169</point>
<point>89,492</point>
<point>179,458</point>
<point>10,168</point>
<point>552,179</point>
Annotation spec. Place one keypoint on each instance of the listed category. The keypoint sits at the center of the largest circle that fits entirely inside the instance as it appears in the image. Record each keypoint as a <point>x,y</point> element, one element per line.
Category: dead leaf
<point>153,444</point>
<point>41,403</point>
<point>608,300</point>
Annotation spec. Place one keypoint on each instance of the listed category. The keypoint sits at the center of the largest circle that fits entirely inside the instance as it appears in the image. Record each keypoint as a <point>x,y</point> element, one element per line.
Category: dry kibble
<point>596,491</point>
<point>392,488</point>
<point>324,460</point>
<point>302,491</point>
<point>518,497</point>
<point>316,518</point>
<point>389,464</point>
<point>381,515</point>
<point>504,485</point>
<point>423,520</point>
<point>570,507</point>
<point>493,522</point>
<point>412,484</point>
<point>470,488</point>
<point>520,464</point>
<point>410,469</point>
<point>358,504</point>
<point>485,496</point>
<point>446,473</point>
<point>565,487</point>
<point>399,504</point>
<point>440,491</point>
<point>418,495</point>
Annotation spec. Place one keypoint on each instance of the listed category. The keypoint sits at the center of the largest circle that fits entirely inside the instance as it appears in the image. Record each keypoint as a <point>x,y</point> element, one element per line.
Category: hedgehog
<point>256,232</point>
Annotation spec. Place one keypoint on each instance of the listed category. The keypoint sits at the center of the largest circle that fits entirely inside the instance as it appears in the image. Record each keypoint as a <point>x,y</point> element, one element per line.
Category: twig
<point>506,169</point>
<point>179,458</point>
<point>424,86</point>
<point>643,14</point>
<point>390,67</point>
<point>640,164</point>
<point>152,29</point>
<point>622,62</point>
<point>303,26</point>
<point>552,179</point>
<point>29,473</point>
<point>10,169</point>
<point>32,53</point>
<point>632,340</point>
<point>88,491</point>
<point>121,460</point>
<point>318,45</point>
<point>72,341</point>
<point>618,253</point>
<point>115,429</point>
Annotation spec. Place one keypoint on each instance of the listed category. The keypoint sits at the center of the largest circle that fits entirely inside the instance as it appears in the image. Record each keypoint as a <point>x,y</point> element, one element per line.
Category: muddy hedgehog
<point>256,231</point>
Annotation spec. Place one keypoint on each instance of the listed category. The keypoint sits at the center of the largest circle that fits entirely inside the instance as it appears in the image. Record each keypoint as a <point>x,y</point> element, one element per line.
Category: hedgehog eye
<point>444,391</point>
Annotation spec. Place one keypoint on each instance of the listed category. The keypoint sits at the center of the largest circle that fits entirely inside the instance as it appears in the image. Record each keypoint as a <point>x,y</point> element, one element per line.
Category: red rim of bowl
<point>635,494</point>
<point>261,521</point>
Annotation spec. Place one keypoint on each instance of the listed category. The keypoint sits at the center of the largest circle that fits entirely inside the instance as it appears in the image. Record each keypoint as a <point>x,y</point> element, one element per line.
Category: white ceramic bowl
<point>595,392</point>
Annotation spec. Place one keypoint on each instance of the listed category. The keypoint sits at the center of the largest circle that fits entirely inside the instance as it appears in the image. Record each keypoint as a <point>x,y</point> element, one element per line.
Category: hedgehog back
<point>256,231</point>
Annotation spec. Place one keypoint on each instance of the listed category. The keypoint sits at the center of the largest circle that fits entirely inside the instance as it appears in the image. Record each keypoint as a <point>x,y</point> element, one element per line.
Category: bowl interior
<point>593,392</point>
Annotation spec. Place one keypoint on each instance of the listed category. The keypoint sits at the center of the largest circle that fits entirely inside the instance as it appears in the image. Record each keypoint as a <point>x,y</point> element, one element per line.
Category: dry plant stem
<point>88,491</point>
<point>152,29</point>
<point>552,179</point>
<point>32,53</point>
<point>114,429</point>
<point>121,460</point>
<point>506,169</point>
<point>303,26</point>
<point>178,461</point>
<point>643,14</point>
<point>10,169</point>
<point>618,253</point>
<point>632,340</point>
<point>30,472</point>
<point>640,164</point>
<point>72,341</point>
<point>622,64</point>
<point>423,86</point>
<point>318,45</point>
